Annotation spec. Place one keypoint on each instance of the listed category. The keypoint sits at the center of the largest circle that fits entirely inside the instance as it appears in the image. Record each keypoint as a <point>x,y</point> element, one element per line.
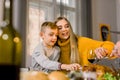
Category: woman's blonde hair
<point>73,42</point>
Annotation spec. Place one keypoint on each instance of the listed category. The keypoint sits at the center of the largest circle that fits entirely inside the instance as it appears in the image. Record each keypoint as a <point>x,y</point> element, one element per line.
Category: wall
<point>118,17</point>
<point>1,11</point>
<point>104,11</point>
<point>19,22</point>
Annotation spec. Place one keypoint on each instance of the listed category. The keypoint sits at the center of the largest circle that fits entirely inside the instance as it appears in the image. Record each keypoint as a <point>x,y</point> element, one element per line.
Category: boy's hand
<point>74,66</point>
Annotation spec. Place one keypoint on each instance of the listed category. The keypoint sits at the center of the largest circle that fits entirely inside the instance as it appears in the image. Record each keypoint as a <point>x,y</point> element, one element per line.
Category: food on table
<point>34,75</point>
<point>99,69</point>
<point>57,75</point>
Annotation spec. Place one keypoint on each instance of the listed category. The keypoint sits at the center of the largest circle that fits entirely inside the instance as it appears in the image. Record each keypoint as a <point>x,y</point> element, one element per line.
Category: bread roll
<point>34,75</point>
<point>56,75</point>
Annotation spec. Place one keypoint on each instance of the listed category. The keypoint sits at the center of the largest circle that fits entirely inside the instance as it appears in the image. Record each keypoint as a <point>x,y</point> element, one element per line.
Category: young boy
<point>46,54</point>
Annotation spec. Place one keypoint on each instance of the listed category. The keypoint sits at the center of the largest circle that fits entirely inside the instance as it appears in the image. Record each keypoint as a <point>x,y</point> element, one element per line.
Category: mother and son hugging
<point>62,49</point>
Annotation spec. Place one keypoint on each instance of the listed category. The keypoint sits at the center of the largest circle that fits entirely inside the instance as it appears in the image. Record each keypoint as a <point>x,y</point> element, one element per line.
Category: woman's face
<point>63,29</point>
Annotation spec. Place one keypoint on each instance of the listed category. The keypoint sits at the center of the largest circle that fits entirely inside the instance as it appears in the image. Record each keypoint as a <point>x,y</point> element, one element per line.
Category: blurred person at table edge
<point>116,50</point>
<point>74,48</point>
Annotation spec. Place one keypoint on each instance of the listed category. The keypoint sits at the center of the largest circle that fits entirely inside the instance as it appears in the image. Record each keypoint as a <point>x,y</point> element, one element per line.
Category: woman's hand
<point>114,53</point>
<point>101,52</point>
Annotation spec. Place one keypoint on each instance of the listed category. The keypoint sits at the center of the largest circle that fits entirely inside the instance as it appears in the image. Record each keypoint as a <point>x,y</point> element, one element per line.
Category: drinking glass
<point>91,55</point>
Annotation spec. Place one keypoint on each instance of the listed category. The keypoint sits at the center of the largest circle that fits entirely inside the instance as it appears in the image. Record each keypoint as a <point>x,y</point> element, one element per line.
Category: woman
<point>74,48</point>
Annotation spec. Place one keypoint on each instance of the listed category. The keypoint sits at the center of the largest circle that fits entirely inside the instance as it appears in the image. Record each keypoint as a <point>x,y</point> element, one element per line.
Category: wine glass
<point>91,55</point>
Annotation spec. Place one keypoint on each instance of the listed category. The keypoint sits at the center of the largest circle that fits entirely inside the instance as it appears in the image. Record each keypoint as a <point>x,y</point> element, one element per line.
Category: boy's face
<point>49,36</point>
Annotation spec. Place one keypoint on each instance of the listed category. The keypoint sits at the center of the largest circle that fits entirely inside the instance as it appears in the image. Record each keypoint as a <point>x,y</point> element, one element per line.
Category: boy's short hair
<point>48,24</point>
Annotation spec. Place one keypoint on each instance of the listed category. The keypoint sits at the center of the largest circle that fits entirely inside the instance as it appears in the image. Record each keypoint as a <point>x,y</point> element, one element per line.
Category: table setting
<point>106,68</point>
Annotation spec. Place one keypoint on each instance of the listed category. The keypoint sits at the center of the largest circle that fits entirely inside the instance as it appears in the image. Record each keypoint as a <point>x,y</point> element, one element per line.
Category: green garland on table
<point>109,76</point>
